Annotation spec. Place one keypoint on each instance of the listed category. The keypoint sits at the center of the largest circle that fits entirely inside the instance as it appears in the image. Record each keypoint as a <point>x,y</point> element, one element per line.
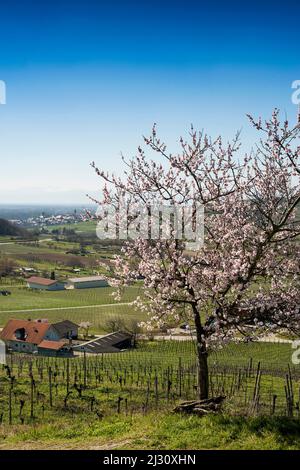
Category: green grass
<point>88,227</point>
<point>159,430</point>
<point>5,239</point>
<point>22,298</point>
<point>23,248</point>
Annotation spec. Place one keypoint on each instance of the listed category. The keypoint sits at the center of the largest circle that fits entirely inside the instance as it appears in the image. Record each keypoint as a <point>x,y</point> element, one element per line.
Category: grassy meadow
<point>88,227</point>
<point>156,430</point>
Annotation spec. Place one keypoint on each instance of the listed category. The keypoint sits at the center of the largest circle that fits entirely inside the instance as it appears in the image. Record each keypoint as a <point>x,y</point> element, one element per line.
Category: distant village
<point>45,220</point>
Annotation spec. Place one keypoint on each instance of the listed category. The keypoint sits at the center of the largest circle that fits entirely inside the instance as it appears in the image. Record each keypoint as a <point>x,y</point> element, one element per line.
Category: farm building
<point>86,282</point>
<point>54,348</point>
<point>33,337</point>
<point>66,329</point>
<point>113,342</point>
<point>42,283</point>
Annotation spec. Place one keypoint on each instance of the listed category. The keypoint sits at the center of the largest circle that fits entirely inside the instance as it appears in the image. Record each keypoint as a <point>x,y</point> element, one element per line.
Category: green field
<point>81,227</point>
<point>22,298</point>
<point>158,430</point>
<point>14,247</point>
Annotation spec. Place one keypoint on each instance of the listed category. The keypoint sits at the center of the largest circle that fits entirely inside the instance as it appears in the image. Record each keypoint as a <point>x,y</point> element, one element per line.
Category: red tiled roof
<point>56,345</point>
<point>35,331</point>
<point>41,280</point>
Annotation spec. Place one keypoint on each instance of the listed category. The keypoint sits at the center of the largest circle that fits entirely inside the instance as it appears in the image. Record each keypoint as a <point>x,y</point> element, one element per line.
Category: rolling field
<point>22,298</point>
<point>47,256</point>
<point>88,227</point>
<point>273,356</point>
<point>14,247</point>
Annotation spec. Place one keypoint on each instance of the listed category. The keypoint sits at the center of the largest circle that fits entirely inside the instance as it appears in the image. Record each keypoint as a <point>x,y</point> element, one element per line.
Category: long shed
<point>113,342</point>
<point>86,282</point>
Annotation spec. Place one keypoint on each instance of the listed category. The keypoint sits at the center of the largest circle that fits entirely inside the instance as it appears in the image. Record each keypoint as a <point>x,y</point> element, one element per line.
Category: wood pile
<point>200,407</point>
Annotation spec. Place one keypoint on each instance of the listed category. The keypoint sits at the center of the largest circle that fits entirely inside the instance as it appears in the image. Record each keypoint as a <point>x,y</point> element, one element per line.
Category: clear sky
<point>86,79</point>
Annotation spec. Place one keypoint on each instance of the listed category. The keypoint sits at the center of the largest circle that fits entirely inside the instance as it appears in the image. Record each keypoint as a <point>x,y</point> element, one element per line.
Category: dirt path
<point>111,445</point>
<point>75,445</point>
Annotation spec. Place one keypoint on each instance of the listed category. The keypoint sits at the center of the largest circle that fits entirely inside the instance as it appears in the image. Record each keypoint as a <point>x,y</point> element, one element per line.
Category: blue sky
<point>86,79</point>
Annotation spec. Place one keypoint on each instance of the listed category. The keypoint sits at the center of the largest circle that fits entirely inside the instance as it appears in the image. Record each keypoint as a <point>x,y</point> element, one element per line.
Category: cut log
<point>200,407</point>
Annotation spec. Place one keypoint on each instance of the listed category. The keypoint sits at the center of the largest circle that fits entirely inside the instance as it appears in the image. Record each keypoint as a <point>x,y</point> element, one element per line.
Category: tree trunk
<point>202,366</point>
<point>202,372</point>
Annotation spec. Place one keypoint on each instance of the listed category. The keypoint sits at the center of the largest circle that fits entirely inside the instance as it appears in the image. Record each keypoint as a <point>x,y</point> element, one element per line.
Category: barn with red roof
<point>42,283</point>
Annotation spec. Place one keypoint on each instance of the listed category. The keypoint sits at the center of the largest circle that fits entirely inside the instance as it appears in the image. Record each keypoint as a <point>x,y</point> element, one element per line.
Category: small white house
<point>86,282</point>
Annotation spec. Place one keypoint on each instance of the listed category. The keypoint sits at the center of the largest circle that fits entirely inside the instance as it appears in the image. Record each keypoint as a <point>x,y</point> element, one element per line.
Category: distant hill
<point>12,230</point>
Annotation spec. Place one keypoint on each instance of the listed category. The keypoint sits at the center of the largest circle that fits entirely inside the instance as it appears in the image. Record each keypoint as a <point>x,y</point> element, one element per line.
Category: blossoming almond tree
<point>244,280</point>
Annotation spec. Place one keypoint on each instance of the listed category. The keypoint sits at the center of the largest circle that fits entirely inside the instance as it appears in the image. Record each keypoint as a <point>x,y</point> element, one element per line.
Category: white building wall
<point>22,346</point>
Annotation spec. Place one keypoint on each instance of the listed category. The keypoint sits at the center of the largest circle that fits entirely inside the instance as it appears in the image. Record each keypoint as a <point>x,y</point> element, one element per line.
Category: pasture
<point>88,227</point>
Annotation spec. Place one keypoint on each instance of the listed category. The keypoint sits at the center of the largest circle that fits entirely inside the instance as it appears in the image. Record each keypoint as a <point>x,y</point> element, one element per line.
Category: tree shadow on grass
<point>283,428</point>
